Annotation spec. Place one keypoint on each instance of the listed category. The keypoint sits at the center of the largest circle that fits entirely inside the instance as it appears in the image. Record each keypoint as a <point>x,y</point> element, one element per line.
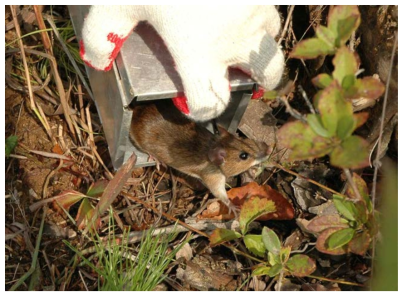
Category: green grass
<point>122,268</point>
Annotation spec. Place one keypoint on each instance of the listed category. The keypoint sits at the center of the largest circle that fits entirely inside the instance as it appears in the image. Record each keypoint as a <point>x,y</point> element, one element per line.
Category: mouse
<point>162,131</point>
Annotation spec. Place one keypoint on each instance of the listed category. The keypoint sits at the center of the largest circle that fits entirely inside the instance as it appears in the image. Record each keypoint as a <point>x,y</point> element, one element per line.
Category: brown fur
<point>163,132</point>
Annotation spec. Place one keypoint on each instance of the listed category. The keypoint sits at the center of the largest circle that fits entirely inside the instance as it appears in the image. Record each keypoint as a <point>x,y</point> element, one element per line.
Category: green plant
<point>352,229</point>
<point>86,210</point>
<point>119,268</point>
<point>11,143</point>
<point>267,245</point>
<point>330,131</point>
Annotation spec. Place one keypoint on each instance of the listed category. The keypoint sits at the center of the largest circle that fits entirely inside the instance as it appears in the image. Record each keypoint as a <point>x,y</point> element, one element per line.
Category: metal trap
<point>144,71</point>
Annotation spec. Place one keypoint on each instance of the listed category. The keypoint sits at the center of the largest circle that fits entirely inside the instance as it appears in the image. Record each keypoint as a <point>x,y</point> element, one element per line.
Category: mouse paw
<point>153,159</point>
<point>232,208</point>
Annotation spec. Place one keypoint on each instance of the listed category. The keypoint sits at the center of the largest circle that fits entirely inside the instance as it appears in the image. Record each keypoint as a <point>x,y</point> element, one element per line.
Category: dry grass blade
<point>54,69</point>
<point>290,12</point>
<point>27,75</point>
<point>21,45</point>
<point>44,36</point>
<point>50,155</point>
<point>58,81</point>
<point>68,53</point>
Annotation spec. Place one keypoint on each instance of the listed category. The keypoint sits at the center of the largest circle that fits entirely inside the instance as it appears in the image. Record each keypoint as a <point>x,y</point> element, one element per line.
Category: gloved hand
<point>203,41</point>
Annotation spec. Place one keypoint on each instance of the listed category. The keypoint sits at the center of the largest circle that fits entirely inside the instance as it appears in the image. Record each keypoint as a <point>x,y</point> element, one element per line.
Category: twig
<point>280,280</point>
<point>18,157</point>
<point>51,174</point>
<point>287,21</point>
<point>80,98</point>
<point>46,124</point>
<point>83,281</point>
<point>291,110</point>
<point>50,155</point>
<point>352,42</point>
<point>335,280</point>
<point>306,99</point>
<point>305,178</point>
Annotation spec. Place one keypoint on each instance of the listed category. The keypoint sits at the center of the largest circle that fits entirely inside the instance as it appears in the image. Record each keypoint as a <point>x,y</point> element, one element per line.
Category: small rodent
<point>160,130</point>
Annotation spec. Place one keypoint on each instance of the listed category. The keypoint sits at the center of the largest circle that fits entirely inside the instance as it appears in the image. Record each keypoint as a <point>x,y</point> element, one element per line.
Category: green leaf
<point>346,126</point>
<point>317,97</point>
<point>322,243</point>
<point>11,143</point>
<point>314,121</point>
<point>301,265</point>
<point>303,141</point>
<point>345,208</point>
<point>272,258</point>
<point>348,81</point>
<point>274,270</point>
<point>261,270</point>
<point>254,244</point>
<point>346,64</point>
<point>342,21</point>
<point>322,80</point>
<point>320,223</point>
<point>334,109</point>
<point>252,209</point>
<point>271,241</point>
<point>367,88</point>
<point>285,254</point>
<point>219,236</point>
<point>97,188</point>
<point>360,243</point>
<point>326,35</point>
<point>340,238</point>
<point>311,48</point>
<point>85,213</point>
<point>67,198</point>
<point>352,153</point>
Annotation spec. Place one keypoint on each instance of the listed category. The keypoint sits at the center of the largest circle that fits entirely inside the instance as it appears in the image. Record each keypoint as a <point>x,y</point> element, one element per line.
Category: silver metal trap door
<point>144,70</point>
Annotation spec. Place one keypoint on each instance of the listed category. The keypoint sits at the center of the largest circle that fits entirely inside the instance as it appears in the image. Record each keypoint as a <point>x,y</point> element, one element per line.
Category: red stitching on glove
<point>82,54</point>
<point>180,102</point>
<point>258,94</point>
<point>118,42</point>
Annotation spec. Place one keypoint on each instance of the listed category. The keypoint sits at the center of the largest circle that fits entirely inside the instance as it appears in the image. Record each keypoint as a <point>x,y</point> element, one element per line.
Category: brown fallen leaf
<point>284,210</point>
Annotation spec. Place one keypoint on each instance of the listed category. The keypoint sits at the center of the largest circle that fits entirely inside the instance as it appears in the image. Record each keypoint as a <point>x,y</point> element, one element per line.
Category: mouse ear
<point>222,131</point>
<point>217,155</point>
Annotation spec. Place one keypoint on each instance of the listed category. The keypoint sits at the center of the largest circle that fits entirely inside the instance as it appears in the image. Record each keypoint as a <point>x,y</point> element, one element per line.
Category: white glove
<point>203,41</point>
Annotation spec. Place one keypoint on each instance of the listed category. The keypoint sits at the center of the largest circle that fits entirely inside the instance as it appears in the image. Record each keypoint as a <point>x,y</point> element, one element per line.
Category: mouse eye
<point>244,156</point>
